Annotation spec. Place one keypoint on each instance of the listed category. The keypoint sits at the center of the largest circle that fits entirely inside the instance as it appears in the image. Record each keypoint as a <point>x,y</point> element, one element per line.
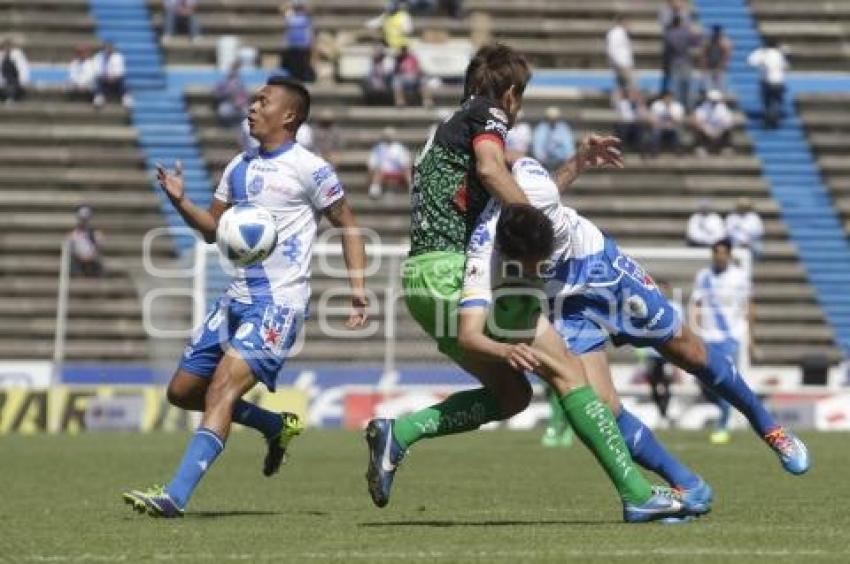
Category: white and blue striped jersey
<point>723,299</point>
<point>577,242</point>
<point>295,186</point>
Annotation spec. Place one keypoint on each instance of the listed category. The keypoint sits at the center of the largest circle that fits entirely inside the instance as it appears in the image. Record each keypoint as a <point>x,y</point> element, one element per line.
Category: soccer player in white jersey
<point>246,337</point>
<point>723,312</point>
<point>595,293</point>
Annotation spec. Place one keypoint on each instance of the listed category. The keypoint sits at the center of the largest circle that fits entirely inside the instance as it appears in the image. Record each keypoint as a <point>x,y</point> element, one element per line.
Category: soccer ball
<point>246,234</point>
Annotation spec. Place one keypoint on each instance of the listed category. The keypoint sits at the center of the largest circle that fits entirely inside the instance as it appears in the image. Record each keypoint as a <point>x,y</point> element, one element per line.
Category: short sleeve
<point>322,184</point>
<point>481,258</point>
<point>487,121</point>
<point>223,191</point>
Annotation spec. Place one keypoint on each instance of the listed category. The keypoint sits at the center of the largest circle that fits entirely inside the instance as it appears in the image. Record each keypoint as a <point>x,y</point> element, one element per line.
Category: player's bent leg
<point>717,370</point>
<point>187,391</point>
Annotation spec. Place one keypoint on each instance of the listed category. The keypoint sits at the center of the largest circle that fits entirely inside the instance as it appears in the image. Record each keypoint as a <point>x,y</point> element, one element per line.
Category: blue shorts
<point>262,333</point>
<point>622,303</point>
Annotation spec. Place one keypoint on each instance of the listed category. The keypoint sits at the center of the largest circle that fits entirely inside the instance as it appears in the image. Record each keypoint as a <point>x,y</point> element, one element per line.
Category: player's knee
<point>178,395</point>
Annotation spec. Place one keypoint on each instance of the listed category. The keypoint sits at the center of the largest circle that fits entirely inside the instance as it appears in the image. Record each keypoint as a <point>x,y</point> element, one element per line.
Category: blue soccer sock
<point>202,451</point>
<point>722,377</point>
<point>270,424</point>
<point>649,453</point>
<point>725,411</point>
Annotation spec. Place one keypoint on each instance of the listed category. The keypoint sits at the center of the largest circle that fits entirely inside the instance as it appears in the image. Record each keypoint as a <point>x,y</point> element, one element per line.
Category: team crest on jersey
<point>292,249</point>
<point>277,321</point>
<point>633,269</point>
<point>499,114</point>
<point>255,186</point>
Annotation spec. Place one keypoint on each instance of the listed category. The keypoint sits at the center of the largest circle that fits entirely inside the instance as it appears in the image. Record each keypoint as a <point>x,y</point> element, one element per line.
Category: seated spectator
<point>632,119</point>
<point>389,165</point>
<point>109,73</point>
<point>395,24</point>
<point>377,88</point>
<point>85,243</point>
<point>553,140</point>
<point>231,98</point>
<point>705,227</point>
<point>81,75</point>
<point>180,15</point>
<point>745,228</point>
<point>618,46</point>
<point>296,57</point>
<point>14,72</point>
<point>409,84</point>
<point>667,116</point>
<point>327,138</point>
<point>519,139</point>
<point>713,124</point>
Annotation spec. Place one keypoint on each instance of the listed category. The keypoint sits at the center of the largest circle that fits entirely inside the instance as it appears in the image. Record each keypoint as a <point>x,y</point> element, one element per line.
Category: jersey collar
<point>284,147</point>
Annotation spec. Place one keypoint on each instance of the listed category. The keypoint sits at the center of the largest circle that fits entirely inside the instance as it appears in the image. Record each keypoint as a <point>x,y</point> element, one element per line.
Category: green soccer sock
<point>458,413</point>
<point>557,415</point>
<point>596,427</point>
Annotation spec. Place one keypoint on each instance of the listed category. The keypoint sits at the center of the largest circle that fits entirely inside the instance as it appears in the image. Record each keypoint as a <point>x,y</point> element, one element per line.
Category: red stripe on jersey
<point>488,137</point>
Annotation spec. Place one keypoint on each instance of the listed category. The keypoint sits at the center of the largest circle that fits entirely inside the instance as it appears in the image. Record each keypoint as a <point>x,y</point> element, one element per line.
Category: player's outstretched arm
<point>341,216</point>
<point>593,151</point>
<point>492,169</point>
<point>205,221</point>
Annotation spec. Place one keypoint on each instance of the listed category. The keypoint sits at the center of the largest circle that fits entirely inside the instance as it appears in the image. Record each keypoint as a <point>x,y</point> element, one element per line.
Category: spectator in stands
<point>296,56</point>
<point>81,75</point>
<point>632,119</point>
<point>553,141</point>
<point>410,86</point>
<point>231,98</point>
<point>519,139</point>
<point>716,52</point>
<point>14,72</point>
<point>713,124</point>
<point>679,39</point>
<point>666,15</point>
<point>327,138</point>
<point>667,116</point>
<point>705,227</point>
<point>109,81</point>
<point>85,243</point>
<point>453,8</point>
<point>180,14</point>
<point>377,88</point>
<point>745,227</point>
<point>389,165</point>
<point>619,50</point>
<point>396,25</point>
<point>772,64</point>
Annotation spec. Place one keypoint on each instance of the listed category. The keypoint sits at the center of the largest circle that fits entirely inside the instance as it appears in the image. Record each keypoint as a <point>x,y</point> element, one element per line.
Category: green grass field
<point>488,496</point>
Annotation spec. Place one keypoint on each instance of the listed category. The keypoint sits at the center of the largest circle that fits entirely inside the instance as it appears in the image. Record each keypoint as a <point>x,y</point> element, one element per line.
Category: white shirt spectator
<point>21,63</point>
<point>668,116</point>
<point>705,229</point>
<point>745,229</point>
<point>723,299</point>
<point>111,68</point>
<point>519,138</point>
<point>771,62</point>
<point>81,74</point>
<point>390,158</point>
<point>714,116</point>
<point>619,47</point>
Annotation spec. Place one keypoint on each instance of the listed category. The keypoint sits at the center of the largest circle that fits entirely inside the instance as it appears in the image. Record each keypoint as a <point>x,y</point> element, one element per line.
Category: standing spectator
<point>519,139</point>
<point>377,88</point>
<point>327,138</point>
<point>409,84</point>
<point>716,52</point>
<point>713,124</point>
<point>389,165</point>
<point>666,15</point>
<point>745,228</point>
<point>667,116</point>
<point>705,227</point>
<point>231,98</point>
<point>81,75</point>
<point>553,140</point>
<point>679,39</point>
<point>109,69</point>
<point>772,64</point>
<point>14,72</point>
<point>619,49</point>
<point>296,56</point>
<point>397,25</point>
<point>85,243</point>
<point>632,119</point>
<point>180,14</point>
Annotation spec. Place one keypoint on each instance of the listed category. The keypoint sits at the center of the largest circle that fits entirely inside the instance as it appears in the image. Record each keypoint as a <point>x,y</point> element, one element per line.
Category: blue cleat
<point>697,500</point>
<point>792,452</point>
<point>155,502</point>
<point>276,453</point>
<point>665,503</point>
<point>385,454</point>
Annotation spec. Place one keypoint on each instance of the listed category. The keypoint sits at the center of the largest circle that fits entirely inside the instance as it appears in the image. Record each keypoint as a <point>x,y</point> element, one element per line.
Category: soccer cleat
<point>697,500</point>
<point>720,437</point>
<point>385,454</point>
<point>792,452</point>
<point>550,437</point>
<point>567,436</point>
<point>155,502</point>
<point>664,503</point>
<point>276,454</point>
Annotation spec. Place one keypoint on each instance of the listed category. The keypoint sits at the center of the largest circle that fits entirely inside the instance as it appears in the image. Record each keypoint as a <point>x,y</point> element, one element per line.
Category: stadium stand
<point>48,29</point>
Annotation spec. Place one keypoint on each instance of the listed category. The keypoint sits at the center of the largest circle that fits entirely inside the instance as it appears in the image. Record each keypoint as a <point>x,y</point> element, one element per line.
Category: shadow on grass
<point>488,523</point>
<point>249,513</point>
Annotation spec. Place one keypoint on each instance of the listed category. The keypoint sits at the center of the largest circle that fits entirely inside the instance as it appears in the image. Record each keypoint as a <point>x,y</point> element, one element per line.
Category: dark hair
<point>725,242</point>
<point>524,232</point>
<point>493,70</point>
<point>300,94</point>
<point>771,42</point>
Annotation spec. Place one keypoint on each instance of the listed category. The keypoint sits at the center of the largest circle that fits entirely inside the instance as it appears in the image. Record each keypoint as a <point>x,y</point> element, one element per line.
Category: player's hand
<point>521,357</point>
<point>171,181</point>
<point>596,151</point>
<point>358,316</point>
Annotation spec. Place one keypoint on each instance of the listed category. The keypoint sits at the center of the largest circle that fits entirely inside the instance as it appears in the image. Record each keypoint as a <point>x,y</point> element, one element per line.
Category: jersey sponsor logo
<point>499,114</point>
<point>244,330</point>
<point>533,167</point>
<point>633,269</point>
<point>656,318</point>
<point>332,192</point>
<point>480,237</point>
<point>256,185</point>
<point>497,126</point>
<point>322,174</point>
<point>292,249</point>
<point>258,166</point>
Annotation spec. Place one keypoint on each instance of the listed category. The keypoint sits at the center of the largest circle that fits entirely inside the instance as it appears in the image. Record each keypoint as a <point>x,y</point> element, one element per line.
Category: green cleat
<point>154,501</point>
<point>276,454</point>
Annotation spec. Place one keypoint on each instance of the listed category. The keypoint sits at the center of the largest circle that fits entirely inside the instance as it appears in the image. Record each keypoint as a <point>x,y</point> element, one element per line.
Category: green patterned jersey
<point>447,196</point>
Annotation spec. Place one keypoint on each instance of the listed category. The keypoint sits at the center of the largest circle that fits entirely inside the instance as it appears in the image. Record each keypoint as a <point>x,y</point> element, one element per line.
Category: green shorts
<point>432,284</point>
